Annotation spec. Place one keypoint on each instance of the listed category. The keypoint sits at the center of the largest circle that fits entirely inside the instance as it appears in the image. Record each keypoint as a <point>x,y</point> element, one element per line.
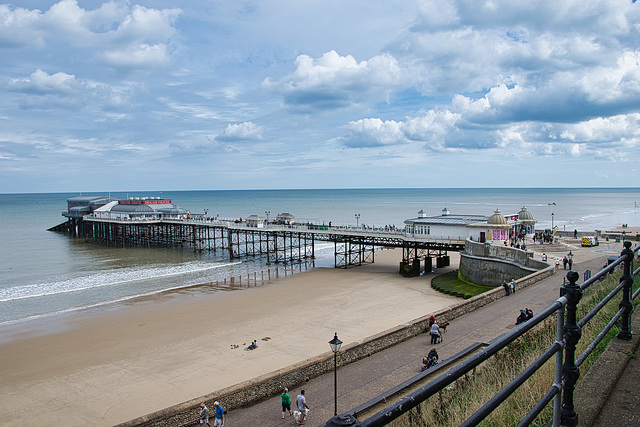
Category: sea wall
<point>268,385</point>
<point>490,265</point>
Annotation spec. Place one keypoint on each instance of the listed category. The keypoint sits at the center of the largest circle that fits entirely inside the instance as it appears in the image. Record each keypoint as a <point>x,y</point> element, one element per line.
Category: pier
<point>279,244</point>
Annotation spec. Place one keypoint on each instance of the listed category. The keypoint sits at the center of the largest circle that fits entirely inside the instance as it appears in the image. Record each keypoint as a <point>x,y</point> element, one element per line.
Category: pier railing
<point>567,363</point>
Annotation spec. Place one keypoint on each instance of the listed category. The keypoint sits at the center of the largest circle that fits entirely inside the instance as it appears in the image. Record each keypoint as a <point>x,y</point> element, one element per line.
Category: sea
<point>45,273</point>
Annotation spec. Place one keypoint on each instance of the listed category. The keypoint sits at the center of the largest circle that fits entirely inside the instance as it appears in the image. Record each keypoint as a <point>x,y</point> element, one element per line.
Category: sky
<point>216,95</point>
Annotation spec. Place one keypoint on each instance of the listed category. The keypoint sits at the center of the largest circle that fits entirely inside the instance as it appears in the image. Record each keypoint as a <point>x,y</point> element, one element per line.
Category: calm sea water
<point>43,273</point>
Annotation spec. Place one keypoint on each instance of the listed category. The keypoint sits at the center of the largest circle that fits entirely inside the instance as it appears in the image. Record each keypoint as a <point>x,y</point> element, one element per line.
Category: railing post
<point>557,400</point>
<point>627,281</point>
<point>572,333</point>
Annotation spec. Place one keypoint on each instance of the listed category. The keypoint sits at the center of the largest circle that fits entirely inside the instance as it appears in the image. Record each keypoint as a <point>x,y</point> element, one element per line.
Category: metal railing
<point>568,333</point>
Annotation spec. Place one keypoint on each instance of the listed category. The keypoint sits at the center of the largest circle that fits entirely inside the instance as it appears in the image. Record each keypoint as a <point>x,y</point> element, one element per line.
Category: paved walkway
<point>363,380</point>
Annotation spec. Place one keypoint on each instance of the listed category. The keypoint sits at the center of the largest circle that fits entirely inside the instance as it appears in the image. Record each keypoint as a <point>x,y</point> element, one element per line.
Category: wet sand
<point>109,365</point>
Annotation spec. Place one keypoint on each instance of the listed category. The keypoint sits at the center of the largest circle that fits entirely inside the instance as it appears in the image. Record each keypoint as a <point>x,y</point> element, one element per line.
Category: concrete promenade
<point>363,380</point>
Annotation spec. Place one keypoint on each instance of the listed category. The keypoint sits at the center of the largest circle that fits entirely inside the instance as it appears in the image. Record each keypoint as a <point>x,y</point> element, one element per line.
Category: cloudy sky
<point>180,95</point>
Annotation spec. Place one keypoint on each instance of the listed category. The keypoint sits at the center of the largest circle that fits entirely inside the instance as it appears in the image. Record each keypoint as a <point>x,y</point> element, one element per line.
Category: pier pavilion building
<point>136,208</point>
<point>79,206</point>
<point>480,228</point>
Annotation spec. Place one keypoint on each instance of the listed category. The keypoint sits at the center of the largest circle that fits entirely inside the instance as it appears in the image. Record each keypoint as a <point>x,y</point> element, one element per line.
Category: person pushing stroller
<point>435,332</point>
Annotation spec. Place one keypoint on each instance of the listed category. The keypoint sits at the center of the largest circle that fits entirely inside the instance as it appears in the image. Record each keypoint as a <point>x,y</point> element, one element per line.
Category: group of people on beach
<point>253,345</point>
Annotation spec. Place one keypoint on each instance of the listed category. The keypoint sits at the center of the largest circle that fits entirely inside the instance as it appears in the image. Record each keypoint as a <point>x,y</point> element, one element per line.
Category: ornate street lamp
<point>267,213</point>
<point>357,218</point>
<point>335,344</point>
<point>552,221</point>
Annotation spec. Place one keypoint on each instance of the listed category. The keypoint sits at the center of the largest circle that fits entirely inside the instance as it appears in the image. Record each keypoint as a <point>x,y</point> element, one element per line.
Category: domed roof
<point>525,215</point>
<point>497,218</point>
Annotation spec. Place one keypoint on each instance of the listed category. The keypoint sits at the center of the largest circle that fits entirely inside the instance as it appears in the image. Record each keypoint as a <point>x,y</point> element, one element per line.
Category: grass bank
<point>452,284</point>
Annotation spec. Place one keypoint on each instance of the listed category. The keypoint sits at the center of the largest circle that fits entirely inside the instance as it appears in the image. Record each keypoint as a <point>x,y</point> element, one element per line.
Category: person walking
<point>564,262</point>
<point>301,402</point>
<point>204,414</point>
<point>219,421</point>
<point>435,332</point>
<point>570,263</point>
<point>286,403</point>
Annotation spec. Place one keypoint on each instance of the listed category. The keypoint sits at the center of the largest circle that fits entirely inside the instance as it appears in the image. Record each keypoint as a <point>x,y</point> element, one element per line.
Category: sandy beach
<point>109,365</point>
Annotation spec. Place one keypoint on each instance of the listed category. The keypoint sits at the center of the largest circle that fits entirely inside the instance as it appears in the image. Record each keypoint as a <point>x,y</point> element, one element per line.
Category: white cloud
<point>140,56</point>
<point>120,34</point>
<point>333,81</point>
<point>41,82</point>
<point>17,27</point>
<point>373,132</point>
<point>246,131</point>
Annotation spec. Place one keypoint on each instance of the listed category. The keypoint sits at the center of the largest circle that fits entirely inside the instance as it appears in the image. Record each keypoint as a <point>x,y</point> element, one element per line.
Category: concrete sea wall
<point>489,265</point>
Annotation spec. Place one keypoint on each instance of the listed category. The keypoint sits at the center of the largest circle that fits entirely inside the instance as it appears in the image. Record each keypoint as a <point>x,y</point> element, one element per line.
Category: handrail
<point>568,335</point>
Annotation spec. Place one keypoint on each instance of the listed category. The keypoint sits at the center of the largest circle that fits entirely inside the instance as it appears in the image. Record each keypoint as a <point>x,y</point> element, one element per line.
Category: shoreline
<point>43,320</point>
<point>116,363</point>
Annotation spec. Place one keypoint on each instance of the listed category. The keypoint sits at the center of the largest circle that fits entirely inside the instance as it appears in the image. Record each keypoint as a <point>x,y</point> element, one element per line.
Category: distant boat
<point>552,204</point>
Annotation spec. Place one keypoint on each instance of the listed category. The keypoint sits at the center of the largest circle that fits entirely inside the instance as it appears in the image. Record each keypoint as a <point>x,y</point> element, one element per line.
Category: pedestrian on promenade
<point>219,421</point>
<point>557,263</point>
<point>570,263</point>
<point>512,285</point>
<point>506,287</point>
<point>544,257</point>
<point>286,403</point>
<point>565,261</point>
<point>435,332</point>
<point>432,320</point>
<point>301,402</point>
<point>204,414</point>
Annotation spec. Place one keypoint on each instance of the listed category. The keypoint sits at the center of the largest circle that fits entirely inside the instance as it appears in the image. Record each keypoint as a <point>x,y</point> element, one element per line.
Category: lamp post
<point>267,213</point>
<point>335,344</point>
<point>357,219</point>
<point>624,234</point>
<point>552,221</point>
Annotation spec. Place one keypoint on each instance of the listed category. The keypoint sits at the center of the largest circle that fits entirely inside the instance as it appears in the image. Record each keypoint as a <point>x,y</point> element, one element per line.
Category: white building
<point>480,228</point>
<point>285,218</point>
<point>255,221</point>
<point>141,208</point>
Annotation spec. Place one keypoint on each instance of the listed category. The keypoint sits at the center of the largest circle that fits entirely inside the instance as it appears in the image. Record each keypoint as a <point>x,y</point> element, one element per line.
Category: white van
<point>590,241</point>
